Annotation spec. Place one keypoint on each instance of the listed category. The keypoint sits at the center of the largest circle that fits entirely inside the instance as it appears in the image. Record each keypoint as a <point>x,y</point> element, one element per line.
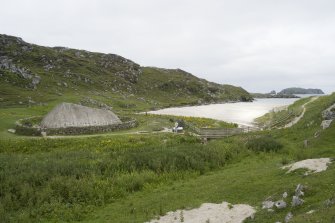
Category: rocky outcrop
<point>328,116</point>
<point>282,204</point>
<point>296,90</point>
<point>7,64</point>
<point>130,73</point>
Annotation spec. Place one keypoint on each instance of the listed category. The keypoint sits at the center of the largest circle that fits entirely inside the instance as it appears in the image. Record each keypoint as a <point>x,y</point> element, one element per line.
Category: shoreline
<point>237,112</point>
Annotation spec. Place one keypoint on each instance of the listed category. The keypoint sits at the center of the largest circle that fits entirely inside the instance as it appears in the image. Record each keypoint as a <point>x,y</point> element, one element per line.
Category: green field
<point>125,177</point>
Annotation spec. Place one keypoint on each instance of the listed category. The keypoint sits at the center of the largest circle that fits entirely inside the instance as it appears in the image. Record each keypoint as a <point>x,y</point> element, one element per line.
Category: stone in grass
<point>310,212</point>
<point>296,201</point>
<point>267,204</point>
<point>11,131</point>
<point>280,204</point>
<point>285,195</point>
<point>288,217</point>
<point>298,190</point>
<point>329,202</point>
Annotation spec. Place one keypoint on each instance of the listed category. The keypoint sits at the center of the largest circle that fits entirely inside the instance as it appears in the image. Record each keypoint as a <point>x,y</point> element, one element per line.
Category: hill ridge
<point>54,74</point>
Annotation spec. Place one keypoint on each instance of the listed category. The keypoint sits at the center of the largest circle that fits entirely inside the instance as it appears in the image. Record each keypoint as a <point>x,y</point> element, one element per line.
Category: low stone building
<point>73,119</point>
<point>72,115</point>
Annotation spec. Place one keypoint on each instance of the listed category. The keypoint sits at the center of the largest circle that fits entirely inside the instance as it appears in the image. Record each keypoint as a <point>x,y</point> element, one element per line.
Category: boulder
<point>288,217</point>
<point>267,204</point>
<point>296,201</point>
<point>326,123</point>
<point>298,190</point>
<point>280,204</point>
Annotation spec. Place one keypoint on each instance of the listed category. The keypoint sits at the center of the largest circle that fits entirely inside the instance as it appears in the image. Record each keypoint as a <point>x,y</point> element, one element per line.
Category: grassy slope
<point>281,118</point>
<point>112,178</point>
<point>251,181</point>
<point>79,75</point>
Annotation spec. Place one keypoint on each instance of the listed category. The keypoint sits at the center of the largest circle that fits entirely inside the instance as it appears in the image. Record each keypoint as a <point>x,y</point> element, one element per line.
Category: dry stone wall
<point>22,129</point>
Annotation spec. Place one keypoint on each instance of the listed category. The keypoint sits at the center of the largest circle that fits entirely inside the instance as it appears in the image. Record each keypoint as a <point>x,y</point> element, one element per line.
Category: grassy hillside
<point>129,177</point>
<point>32,74</point>
<point>133,178</point>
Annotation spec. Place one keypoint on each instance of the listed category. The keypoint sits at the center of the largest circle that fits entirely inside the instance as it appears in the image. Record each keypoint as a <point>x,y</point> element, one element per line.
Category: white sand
<point>313,165</point>
<point>207,212</point>
<point>242,113</point>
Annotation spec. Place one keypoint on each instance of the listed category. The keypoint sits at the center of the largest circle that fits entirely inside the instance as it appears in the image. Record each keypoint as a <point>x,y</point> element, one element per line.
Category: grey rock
<point>48,67</point>
<point>267,204</point>
<point>296,201</point>
<point>280,204</point>
<point>285,195</point>
<point>27,47</point>
<point>31,101</point>
<point>6,63</point>
<point>329,202</point>
<point>316,134</point>
<point>77,54</point>
<point>326,123</point>
<point>36,80</point>
<point>305,143</point>
<point>298,190</point>
<point>11,131</point>
<point>288,217</point>
<point>310,212</point>
<point>328,115</point>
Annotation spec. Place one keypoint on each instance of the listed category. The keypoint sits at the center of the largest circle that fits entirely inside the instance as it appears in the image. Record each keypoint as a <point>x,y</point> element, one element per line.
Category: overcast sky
<point>260,45</point>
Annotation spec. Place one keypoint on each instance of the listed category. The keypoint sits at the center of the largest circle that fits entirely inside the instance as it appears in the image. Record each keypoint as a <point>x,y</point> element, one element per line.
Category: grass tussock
<point>264,144</point>
<point>44,179</point>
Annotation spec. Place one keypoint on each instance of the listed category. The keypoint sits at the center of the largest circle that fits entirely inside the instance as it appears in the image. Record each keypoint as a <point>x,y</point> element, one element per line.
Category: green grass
<point>251,180</point>
<point>46,178</point>
<point>133,178</point>
<point>276,119</point>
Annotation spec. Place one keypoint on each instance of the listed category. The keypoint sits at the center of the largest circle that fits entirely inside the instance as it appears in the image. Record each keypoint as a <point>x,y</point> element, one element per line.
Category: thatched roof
<point>73,115</point>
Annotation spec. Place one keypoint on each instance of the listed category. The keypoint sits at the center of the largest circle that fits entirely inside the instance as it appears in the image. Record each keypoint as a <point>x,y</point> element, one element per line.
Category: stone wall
<point>36,131</point>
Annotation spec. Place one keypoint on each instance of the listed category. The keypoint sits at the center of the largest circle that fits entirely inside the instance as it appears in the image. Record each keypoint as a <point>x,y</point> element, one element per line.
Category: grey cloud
<point>260,45</point>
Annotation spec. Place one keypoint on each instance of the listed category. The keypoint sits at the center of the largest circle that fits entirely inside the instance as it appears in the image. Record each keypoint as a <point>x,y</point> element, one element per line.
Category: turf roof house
<point>79,119</point>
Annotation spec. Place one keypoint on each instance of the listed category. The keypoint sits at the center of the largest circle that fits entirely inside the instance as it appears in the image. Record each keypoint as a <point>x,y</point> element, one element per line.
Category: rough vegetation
<point>32,74</point>
<point>130,177</point>
<point>135,178</point>
<point>279,118</point>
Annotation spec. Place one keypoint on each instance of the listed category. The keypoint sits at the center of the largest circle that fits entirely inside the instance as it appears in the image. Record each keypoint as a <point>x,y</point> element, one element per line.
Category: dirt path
<point>297,119</point>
